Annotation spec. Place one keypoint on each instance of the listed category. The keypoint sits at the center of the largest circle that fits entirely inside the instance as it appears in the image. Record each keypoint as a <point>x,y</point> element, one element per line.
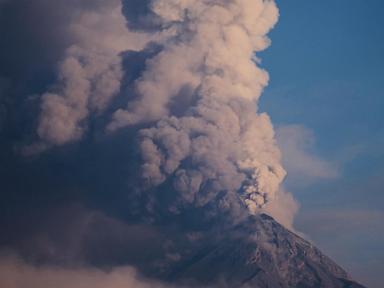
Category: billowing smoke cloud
<point>90,74</point>
<point>197,97</point>
<point>202,90</point>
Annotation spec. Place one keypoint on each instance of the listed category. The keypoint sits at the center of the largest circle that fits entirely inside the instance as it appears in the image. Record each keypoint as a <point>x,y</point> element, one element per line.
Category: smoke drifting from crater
<point>196,97</point>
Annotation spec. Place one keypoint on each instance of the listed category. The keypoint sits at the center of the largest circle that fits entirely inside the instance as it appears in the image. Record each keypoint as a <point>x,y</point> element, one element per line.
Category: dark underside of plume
<point>258,253</point>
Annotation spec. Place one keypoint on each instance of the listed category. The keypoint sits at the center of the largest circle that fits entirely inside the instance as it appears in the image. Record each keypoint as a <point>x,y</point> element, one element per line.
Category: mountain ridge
<point>260,252</point>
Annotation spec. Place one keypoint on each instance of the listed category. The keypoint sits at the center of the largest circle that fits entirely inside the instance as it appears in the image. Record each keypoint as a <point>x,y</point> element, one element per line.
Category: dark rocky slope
<point>259,253</point>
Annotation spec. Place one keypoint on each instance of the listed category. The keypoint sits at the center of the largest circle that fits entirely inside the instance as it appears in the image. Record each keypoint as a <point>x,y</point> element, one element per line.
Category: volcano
<point>260,253</point>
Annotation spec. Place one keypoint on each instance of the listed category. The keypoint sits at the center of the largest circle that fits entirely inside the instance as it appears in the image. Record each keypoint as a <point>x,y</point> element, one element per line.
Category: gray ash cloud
<point>144,113</point>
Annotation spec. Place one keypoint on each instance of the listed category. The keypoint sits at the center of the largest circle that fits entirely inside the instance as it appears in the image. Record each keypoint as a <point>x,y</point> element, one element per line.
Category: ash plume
<point>195,101</point>
<point>148,158</point>
<point>89,75</point>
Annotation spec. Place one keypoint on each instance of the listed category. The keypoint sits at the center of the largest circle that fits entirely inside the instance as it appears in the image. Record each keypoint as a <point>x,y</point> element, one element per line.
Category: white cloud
<point>303,166</point>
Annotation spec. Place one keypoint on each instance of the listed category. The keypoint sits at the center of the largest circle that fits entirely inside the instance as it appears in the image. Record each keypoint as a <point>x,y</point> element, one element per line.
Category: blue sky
<point>327,72</point>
